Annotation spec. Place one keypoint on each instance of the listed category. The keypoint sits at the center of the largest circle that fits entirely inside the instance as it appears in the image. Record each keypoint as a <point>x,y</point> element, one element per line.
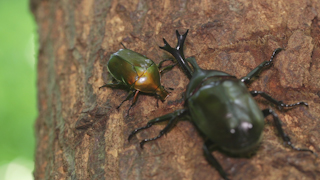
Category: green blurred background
<point>18,108</point>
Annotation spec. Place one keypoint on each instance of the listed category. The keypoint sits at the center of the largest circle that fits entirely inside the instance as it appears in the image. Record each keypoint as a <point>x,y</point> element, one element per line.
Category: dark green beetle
<point>222,108</point>
<point>137,73</point>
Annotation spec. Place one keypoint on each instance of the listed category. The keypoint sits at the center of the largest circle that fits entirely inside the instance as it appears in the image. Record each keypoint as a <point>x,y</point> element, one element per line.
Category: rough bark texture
<point>77,38</point>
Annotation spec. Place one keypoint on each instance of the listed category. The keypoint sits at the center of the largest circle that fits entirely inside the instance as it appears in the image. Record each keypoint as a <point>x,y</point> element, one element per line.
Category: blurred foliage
<point>18,109</point>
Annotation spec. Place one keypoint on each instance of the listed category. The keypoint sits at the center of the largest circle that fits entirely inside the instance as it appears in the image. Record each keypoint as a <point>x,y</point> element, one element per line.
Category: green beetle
<point>222,109</point>
<point>137,73</point>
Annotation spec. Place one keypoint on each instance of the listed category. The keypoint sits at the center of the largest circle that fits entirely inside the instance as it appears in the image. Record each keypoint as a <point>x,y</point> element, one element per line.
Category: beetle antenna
<point>178,53</point>
<point>123,45</point>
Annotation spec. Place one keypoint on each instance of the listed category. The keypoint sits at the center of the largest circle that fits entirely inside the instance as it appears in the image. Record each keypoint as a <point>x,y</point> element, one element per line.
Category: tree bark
<point>80,133</point>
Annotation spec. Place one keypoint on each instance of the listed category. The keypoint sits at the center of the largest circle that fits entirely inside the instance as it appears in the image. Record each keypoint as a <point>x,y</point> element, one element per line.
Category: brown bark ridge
<point>77,39</point>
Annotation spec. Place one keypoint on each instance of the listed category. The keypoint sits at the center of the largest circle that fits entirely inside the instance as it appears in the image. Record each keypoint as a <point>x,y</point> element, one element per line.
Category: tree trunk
<point>80,133</point>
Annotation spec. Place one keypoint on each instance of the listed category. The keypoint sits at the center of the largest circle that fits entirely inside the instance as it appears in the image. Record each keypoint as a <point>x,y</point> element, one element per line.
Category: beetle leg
<point>172,117</point>
<point>256,71</point>
<point>133,101</point>
<point>160,64</point>
<point>167,68</point>
<point>157,103</point>
<point>283,135</point>
<point>280,104</point>
<point>212,160</point>
<point>127,98</point>
<point>114,85</point>
<point>135,98</point>
<point>124,46</point>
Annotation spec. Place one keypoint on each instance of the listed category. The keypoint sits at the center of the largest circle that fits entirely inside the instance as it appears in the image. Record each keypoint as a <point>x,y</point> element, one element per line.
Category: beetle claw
<point>142,143</point>
<point>129,138</point>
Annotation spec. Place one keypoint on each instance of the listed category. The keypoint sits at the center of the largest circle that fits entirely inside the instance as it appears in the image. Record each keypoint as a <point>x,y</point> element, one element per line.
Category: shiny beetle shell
<point>238,122</point>
<point>136,71</point>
